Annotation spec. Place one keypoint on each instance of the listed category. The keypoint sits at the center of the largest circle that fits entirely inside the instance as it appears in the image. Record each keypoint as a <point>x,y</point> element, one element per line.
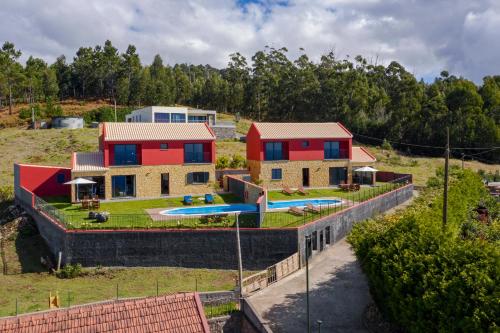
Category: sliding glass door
<point>123,186</point>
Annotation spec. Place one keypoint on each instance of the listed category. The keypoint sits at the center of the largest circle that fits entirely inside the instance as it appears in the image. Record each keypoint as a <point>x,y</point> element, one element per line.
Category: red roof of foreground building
<point>170,313</point>
<point>302,130</point>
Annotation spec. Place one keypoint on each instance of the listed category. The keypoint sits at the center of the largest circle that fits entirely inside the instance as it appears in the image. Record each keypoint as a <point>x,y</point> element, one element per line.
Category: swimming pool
<point>301,203</point>
<point>211,210</point>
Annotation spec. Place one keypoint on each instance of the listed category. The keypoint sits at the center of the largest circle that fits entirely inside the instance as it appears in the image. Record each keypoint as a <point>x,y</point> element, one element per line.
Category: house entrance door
<point>165,184</point>
<point>305,176</point>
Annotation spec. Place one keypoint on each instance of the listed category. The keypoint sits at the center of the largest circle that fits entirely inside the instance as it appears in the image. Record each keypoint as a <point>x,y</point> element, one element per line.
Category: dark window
<point>274,151</point>
<point>276,174</point>
<point>163,146</point>
<point>178,118</point>
<point>315,240</point>
<point>327,235</point>
<point>162,117</point>
<point>305,144</point>
<point>193,153</point>
<point>125,155</point>
<point>197,177</point>
<point>61,178</point>
<point>123,186</point>
<point>197,119</point>
<point>332,150</point>
<point>338,176</point>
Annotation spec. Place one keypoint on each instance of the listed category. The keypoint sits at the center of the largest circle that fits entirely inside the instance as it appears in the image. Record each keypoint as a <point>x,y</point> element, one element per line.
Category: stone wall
<point>226,324</point>
<point>148,179</point>
<point>319,172</point>
<point>224,131</point>
<point>180,248</point>
<point>341,223</point>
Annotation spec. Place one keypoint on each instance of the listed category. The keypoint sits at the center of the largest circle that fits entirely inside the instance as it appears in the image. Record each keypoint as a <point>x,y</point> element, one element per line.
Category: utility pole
<point>116,118</point>
<point>463,158</point>
<point>308,240</point>
<point>446,165</point>
<point>240,265</point>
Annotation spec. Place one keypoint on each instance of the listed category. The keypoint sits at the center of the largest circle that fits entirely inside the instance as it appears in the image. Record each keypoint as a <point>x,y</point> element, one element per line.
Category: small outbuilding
<point>69,122</point>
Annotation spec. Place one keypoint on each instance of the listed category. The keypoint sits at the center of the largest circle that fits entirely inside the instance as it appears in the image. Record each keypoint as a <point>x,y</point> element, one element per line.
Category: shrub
<point>222,162</point>
<point>237,161</point>
<point>423,275</point>
<point>6,193</point>
<point>25,113</point>
<point>70,271</point>
<point>386,145</point>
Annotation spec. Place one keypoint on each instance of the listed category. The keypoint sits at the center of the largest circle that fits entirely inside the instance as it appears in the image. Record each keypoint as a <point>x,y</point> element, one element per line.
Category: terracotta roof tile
<point>361,155</point>
<point>170,313</point>
<point>302,130</point>
<point>157,131</point>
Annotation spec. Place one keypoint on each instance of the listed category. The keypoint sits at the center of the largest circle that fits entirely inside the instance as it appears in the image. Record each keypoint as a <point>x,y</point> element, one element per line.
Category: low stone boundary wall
<point>389,176</point>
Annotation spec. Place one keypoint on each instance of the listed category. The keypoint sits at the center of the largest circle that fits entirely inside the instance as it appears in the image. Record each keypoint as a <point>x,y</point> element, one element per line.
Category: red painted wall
<point>149,153</point>
<point>254,150</point>
<point>42,180</point>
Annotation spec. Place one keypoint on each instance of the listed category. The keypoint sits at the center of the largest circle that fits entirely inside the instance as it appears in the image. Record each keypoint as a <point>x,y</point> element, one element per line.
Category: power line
<point>483,152</point>
<point>426,146</point>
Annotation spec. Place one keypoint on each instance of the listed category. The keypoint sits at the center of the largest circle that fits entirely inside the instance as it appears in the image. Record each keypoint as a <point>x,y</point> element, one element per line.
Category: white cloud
<point>425,36</point>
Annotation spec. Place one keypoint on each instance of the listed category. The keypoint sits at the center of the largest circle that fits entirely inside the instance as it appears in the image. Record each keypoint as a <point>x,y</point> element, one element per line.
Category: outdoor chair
<point>287,190</point>
<point>95,203</point>
<point>85,204</point>
<point>296,211</point>
<point>312,208</point>
<point>302,191</point>
<point>209,198</point>
<point>188,200</point>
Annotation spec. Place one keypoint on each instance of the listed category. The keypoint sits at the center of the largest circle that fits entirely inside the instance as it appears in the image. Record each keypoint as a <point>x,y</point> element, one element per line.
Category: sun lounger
<point>287,190</point>
<point>302,191</point>
<point>312,208</point>
<point>188,200</point>
<point>209,199</point>
<point>296,211</point>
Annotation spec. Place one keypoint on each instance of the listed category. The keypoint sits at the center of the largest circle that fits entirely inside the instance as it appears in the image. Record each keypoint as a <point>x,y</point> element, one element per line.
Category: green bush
<point>428,278</point>
<point>70,271</point>
<point>25,113</point>
<point>237,161</point>
<point>386,145</point>
<point>222,162</point>
<point>106,113</point>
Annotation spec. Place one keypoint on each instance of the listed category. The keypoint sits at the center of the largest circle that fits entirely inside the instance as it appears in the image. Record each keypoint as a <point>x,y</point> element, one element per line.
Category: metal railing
<point>288,219</point>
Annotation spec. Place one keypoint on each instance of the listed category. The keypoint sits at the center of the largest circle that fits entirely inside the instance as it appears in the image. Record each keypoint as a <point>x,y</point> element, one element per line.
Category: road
<point>338,295</point>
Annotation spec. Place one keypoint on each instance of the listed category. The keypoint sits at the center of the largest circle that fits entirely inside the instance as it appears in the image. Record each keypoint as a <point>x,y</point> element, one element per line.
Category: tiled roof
<point>170,313</point>
<point>89,162</point>
<point>157,131</point>
<point>302,130</point>
<point>361,155</point>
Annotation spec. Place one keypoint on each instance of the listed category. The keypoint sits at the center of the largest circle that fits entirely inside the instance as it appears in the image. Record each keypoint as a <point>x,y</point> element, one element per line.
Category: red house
<point>146,160</point>
<point>303,154</point>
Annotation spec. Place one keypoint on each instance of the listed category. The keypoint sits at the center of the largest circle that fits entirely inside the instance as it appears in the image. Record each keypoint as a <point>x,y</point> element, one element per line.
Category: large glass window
<point>197,119</point>
<point>161,117</point>
<point>125,154</point>
<point>274,151</point>
<point>332,150</point>
<point>197,177</point>
<point>338,176</point>
<point>276,174</point>
<point>193,153</point>
<point>123,186</point>
<point>178,118</point>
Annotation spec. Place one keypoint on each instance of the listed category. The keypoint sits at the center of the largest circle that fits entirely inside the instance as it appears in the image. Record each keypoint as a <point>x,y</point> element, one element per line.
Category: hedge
<point>429,279</point>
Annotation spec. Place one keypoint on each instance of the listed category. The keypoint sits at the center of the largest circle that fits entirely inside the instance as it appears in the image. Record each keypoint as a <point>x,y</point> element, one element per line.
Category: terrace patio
<point>136,214</point>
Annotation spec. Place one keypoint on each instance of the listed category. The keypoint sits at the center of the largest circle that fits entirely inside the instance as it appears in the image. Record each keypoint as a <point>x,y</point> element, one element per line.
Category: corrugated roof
<point>361,155</point>
<point>170,313</point>
<point>302,130</point>
<point>157,131</point>
<point>89,162</point>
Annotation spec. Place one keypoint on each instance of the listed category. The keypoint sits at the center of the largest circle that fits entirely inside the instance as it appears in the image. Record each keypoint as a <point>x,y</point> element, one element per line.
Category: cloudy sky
<point>426,36</point>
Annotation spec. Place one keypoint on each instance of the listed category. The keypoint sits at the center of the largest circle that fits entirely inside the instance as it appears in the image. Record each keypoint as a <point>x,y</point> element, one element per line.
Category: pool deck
<point>156,216</point>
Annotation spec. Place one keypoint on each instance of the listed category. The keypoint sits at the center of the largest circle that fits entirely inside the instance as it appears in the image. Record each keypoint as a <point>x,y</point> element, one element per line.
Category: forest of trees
<point>373,100</point>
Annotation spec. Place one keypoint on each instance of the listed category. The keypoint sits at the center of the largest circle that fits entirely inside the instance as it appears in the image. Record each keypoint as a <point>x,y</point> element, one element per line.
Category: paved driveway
<point>338,295</point>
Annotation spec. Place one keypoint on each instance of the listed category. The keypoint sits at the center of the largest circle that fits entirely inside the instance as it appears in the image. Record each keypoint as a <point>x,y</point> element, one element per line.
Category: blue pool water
<point>245,208</point>
<point>208,210</point>
<point>301,203</point>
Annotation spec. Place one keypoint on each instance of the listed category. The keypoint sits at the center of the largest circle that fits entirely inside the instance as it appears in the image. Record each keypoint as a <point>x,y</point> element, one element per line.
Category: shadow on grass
<point>29,248</point>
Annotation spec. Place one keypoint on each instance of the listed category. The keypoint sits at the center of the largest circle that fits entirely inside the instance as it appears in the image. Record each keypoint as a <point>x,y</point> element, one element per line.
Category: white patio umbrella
<point>79,181</point>
<point>366,169</point>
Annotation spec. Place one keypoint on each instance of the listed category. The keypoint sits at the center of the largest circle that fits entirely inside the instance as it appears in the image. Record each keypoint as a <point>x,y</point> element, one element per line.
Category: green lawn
<point>285,219</point>
<point>132,214</point>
